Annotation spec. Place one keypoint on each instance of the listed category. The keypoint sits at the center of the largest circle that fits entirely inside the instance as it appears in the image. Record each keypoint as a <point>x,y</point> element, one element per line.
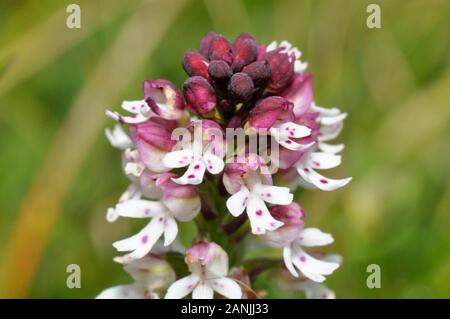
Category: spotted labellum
<point>190,157</point>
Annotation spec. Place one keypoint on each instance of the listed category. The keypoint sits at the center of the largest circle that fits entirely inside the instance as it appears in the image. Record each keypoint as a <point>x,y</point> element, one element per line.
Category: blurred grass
<point>58,170</point>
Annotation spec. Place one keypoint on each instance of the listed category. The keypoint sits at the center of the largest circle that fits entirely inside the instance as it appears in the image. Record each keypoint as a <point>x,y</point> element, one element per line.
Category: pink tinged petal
<point>320,160</point>
<point>203,291</point>
<point>193,175</point>
<point>170,230</point>
<point>178,159</point>
<point>321,182</point>
<point>287,258</point>
<point>156,132</point>
<point>238,201</point>
<point>183,209</point>
<point>152,157</point>
<point>142,243</point>
<point>331,148</point>
<point>300,93</point>
<point>313,237</point>
<point>164,98</point>
<point>214,164</point>
<point>183,287</point>
<point>227,288</point>
<point>274,194</point>
<point>139,208</point>
<point>259,216</point>
<point>312,268</point>
<point>267,111</point>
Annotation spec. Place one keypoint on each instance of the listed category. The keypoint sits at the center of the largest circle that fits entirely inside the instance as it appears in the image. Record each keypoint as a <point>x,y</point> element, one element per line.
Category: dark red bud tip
<point>220,49</point>
<point>282,66</point>
<point>241,87</point>
<point>195,64</point>
<point>220,71</point>
<point>259,71</point>
<point>199,95</point>
<point>245,52</point>
<point>205,43</point>
<point>241,38</point>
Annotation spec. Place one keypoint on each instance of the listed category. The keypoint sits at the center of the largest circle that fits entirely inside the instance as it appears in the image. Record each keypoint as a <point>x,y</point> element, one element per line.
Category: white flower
<point>331,124</point>
<point>178,202</point>
<point>139,109</point>
<point>208,264</point>
<point>285,133</point>
<point>151,274</point>
<point>297,260</point>
<point>251,196</point>
<point>312,289</point>
<point>204,152</point>
<point>319,160</point>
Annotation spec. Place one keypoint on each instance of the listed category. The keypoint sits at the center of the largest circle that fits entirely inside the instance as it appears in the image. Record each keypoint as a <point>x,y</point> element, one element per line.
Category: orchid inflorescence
<point>247,90</point>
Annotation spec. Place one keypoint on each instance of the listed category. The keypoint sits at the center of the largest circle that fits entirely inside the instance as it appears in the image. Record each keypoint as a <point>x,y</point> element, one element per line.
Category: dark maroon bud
<point>195,64</point>
<point>220,71</point>
<point>241,38</point>
<point>199,95</point>
<point>259,71</point>
<point>205,43</point>
<point>282,66</point>
<point>241,87</point>
<point>220,49</point>
<point>245,50</point>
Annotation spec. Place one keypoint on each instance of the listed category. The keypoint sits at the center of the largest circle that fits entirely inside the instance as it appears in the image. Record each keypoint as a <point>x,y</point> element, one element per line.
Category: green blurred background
<point>58,174</point>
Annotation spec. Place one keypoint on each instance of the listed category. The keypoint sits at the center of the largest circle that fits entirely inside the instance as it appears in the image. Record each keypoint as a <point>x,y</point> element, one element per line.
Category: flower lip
<point>163,98</point>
